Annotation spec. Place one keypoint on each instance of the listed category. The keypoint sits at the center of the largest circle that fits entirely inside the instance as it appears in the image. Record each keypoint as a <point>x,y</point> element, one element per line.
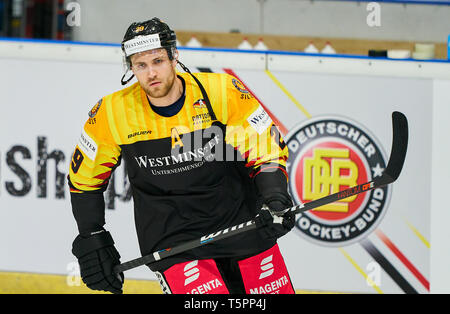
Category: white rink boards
<point>48,89</point>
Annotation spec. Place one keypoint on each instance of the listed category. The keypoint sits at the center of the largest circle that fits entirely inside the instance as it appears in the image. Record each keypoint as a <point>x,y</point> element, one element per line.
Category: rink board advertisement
<point>338,129</point>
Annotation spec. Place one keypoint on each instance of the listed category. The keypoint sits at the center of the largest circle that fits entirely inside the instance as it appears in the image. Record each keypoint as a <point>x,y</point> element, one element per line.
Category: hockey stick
<point>390,174</point>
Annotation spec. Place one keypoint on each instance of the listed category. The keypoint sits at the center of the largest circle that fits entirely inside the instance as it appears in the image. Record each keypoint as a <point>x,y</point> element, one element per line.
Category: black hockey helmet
<point>153,34</point>
<point>142,36</point>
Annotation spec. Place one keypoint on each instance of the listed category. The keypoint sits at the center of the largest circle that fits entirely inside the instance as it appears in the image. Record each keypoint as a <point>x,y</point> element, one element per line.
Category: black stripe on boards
<point>207,70</point>
<point>388,267</point>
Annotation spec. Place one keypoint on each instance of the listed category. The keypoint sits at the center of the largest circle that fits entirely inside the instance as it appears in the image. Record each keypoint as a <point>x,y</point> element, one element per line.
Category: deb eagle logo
<point>328,155</point>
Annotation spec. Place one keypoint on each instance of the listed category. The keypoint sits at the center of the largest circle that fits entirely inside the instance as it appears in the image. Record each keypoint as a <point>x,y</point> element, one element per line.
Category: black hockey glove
<point>274,222</point>
<point>97,257</point>
<point>272,219</point>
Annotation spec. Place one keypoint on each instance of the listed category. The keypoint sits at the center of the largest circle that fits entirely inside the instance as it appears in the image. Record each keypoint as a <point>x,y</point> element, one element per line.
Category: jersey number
<point>77,159</point>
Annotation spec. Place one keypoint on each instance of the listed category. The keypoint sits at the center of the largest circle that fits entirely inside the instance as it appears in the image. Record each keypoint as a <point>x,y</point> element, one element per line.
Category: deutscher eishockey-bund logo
<point>328,155</point>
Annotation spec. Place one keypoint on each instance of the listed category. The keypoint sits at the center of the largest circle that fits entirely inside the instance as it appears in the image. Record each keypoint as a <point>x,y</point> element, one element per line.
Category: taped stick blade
<point>399,148</point>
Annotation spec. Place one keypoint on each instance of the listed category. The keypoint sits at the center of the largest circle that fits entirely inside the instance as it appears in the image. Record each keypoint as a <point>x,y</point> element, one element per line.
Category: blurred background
<point>350,27</point>
<point>308,62</point>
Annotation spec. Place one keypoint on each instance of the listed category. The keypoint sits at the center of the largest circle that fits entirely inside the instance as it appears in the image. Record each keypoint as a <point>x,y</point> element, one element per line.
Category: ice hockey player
<point>201,155</point>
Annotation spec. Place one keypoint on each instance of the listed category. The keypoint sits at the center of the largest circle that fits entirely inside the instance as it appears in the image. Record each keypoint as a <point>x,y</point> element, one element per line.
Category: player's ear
<point>175,56</point>
<point>130,63</point>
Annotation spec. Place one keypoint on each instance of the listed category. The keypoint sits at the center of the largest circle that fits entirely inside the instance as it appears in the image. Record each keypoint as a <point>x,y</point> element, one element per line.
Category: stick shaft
<point>390,174</point>
<point>189,245</point>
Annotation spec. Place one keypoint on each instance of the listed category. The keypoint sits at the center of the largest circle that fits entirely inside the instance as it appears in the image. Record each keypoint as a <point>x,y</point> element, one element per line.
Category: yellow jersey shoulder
<point>123,109</point>
<point>122,97</point>
<point>220,88</point>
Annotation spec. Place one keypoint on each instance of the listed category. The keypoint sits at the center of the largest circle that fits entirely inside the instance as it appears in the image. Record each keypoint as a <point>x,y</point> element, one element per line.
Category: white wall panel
<point>47,92</point>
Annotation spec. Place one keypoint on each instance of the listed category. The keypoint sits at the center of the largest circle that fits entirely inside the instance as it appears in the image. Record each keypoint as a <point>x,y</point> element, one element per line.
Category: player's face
<point>154,71</point>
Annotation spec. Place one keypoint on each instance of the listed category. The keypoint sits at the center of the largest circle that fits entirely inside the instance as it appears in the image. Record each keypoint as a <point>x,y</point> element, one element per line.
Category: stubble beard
<point>161,90</point>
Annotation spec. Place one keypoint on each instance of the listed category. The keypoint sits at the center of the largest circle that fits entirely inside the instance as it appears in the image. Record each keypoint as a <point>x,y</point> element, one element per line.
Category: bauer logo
<point>328,155</point>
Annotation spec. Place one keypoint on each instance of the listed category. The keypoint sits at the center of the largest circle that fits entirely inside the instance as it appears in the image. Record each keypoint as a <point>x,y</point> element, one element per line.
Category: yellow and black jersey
<point>191,173</point>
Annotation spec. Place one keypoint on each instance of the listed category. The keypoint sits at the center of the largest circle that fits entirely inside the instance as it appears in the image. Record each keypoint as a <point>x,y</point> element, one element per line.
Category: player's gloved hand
<point>97,257</point>
<point>272,218</point>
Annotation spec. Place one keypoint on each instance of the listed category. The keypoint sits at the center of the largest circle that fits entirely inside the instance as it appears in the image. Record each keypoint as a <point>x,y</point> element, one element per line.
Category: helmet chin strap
<point>202,89</point>
<point>126,81</point>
